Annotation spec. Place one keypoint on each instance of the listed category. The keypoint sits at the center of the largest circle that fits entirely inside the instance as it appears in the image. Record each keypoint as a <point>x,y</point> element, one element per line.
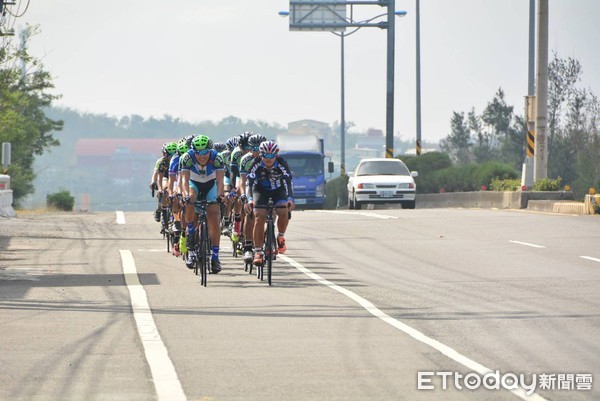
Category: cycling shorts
<point>206,190</point>
<point>261,198</point>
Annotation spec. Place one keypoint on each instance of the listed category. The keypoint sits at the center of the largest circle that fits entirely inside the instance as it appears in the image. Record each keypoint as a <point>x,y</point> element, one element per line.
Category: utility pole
<point>418,55</point>
<point>527,171</point>
<point>389,109</point>
<point>540,165</point>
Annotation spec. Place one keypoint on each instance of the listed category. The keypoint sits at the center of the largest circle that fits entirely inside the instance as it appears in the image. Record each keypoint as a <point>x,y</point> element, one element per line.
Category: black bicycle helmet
<point>219,147</point>
<point>243,139</point>
<point>256,139</point>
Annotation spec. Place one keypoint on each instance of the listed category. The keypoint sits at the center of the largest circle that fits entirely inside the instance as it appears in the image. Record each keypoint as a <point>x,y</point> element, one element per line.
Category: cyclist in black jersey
<point>269,177</point>
<point>160,176</point>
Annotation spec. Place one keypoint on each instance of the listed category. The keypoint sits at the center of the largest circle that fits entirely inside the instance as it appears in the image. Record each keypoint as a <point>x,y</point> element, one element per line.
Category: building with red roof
<point>123,159</point>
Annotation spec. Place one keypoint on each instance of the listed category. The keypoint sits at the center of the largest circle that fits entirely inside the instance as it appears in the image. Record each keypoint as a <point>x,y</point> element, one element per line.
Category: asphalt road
<point>361,303</point>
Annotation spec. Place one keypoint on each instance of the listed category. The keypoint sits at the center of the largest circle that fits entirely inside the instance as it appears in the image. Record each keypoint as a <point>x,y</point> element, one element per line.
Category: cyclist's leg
<point>228,204</point>
<point>237,215</point>
<point>176,209</point>
<point>248,235</point>
<point>282,219</point>
<point>190,218</point>
<point>260,218</point>
<point>214,227</point>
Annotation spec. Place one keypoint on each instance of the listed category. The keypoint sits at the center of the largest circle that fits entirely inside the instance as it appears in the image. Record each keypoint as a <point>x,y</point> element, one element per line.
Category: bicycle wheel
<point>197,251</point>
<point>204,255</point>
<point>270,248</point>
<point>165,223</point>
<point>170,239</point>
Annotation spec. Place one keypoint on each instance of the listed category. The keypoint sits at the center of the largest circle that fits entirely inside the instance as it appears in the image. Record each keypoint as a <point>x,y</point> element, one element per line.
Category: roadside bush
<point>469,177</point>
<point>427,163</point>
<point>547,184</point>
<point>336,192</point>
<point>61,200</point>
<point>510,184</point>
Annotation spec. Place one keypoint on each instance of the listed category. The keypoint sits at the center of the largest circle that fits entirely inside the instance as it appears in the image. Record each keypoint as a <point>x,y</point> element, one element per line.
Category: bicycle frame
<point>202,243</point>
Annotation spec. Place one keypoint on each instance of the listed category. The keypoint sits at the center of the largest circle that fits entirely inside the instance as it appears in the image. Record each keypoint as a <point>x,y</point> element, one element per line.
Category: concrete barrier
<point>592,203</point>
<point>489,199</point>
<point>6,197</point>
<point>6,200</point>
<point>542,201</point>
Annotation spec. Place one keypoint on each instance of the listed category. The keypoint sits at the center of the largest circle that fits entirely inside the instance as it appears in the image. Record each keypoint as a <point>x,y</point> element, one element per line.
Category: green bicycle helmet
<point>170,148</point>
<point>182,146</point>
<point>202,142</point>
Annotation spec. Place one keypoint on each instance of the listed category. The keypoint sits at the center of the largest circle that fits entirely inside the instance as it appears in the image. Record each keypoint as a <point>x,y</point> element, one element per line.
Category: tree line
<point>30,122</point>
<point>498,134</point>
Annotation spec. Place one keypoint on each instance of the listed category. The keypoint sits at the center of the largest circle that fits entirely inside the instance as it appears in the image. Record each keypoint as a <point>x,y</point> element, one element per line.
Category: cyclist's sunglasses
<point>203,152</point>
<point>269,155</point>
<point>255,148</point>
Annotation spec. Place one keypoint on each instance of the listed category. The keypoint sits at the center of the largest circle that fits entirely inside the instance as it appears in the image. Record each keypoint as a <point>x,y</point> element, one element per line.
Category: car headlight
<point>364,185</point>
<point>406,185</point>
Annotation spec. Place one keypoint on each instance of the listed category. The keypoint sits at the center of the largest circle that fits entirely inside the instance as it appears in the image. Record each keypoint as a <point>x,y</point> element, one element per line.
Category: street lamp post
<point>343,111</point>
<point>390,26</point>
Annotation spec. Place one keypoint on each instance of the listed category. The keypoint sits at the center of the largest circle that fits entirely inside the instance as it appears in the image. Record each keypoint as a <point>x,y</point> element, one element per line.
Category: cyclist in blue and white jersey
<point>174,190</point>
<point>202,173</point>
<point>245,163</point>
<point>269,176</point>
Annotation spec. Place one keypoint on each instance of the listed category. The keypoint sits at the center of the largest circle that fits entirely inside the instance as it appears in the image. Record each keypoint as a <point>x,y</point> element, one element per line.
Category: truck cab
<point>305,157</point>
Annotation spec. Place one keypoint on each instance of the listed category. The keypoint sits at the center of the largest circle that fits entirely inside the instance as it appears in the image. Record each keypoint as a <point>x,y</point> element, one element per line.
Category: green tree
<point>577,145</point>
<point>483,148</point>
<point>506,130</point>
<point>563,75</point>
<point>24,96</point>
<point>458,144</point>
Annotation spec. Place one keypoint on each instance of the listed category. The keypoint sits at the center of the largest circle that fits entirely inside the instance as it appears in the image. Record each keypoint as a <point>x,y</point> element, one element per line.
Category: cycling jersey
<point>226,155</point>
<point>162,166</point>
<point>174,165</point>
<point>236,156</point>
<point>246,163</point>
<point>198,173</point>
<point>262,179</point>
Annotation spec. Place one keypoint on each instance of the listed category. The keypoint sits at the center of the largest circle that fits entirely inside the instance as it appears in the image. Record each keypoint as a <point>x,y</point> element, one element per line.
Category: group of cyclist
<point>236,178</point>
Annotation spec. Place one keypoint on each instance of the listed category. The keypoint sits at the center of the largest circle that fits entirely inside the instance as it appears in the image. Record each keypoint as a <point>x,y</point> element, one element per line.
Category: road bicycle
<point>202,245</point>
<point>270,245</point>
<point>237,244</point>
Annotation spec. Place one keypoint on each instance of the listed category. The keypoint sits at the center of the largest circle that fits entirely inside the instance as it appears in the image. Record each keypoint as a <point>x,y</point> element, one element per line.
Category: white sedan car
<point>382,181</point>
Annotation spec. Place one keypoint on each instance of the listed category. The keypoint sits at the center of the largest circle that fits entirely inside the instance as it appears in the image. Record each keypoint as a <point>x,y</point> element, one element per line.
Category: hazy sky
<point>205,60</point>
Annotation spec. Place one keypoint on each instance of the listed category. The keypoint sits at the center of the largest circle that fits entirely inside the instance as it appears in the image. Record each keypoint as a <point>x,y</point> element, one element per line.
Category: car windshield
<point>305,165</point>
<point>382,167</point>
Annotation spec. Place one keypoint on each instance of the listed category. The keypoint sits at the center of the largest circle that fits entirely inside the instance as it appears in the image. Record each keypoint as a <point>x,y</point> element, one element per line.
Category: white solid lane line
<point>120,217</point>
<point>527,244</point>
<point>166,382</point>
<point>590,258</point>
<point>367,214</point>
<point>417,335</point>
